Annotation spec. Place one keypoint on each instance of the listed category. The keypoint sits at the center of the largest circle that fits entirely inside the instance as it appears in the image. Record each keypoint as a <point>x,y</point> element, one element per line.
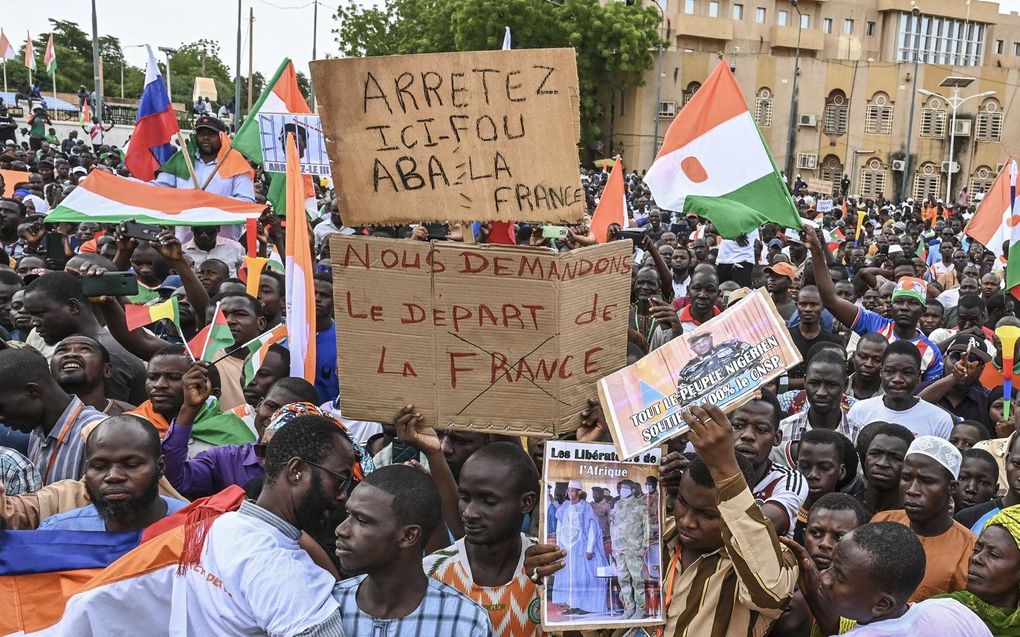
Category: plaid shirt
<point>443,611</point>
<point>60,454</point>
<point>19,476</point>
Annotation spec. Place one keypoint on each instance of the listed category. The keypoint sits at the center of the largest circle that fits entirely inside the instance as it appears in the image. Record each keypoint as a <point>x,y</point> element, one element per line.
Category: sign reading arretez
<point>481,337</point>
<point>483,135</point>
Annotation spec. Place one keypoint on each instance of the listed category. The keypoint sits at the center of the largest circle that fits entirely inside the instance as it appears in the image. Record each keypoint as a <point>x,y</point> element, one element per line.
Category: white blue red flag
<point>155,126</point>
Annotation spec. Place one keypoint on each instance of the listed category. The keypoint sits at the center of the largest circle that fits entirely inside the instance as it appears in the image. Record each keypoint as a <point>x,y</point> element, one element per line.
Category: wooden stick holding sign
<point>187,159</point>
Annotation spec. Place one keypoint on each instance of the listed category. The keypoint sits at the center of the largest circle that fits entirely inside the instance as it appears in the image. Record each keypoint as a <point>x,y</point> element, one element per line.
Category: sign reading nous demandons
<point>479,135</point>
<point>307,130</point>
<point>725,361</point>
<point>490,338</point>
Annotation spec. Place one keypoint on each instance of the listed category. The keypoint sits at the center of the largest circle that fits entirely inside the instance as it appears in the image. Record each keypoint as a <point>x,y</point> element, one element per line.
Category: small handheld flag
<point>142,315</point>
<point>258,348</point>
<point>213,338</point>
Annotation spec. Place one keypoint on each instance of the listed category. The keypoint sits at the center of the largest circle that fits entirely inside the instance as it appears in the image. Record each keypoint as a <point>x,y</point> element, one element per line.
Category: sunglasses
<point>346,484</point>
<point>957,356</point>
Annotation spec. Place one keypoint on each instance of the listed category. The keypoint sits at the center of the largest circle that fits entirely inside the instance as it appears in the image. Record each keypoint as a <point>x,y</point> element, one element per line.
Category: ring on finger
<point>534,576</point>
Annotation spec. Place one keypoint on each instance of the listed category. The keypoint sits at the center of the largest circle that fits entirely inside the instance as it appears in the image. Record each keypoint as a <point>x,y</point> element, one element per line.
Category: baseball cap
<point>170,283</point>
<point>976,345</point>
<point>210,122</point>
<point>783,269</point>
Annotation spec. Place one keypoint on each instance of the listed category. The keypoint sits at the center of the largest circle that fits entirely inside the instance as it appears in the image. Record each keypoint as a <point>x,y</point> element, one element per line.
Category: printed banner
<point>724,362</point>
<point>273,130</point>
<point>606,514</point>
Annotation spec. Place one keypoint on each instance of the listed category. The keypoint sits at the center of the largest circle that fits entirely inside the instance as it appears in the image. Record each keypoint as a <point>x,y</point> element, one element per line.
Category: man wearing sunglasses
<point>252,576</point>
<point>959,391</point>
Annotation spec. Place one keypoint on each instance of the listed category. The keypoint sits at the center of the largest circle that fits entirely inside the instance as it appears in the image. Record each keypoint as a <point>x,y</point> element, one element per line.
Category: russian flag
<point>155,126</point>
<point>88,583</point>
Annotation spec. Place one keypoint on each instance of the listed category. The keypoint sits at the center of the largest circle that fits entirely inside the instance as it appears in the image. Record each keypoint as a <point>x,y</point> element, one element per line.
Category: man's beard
<point>311,510</point>
<point>121,511</point>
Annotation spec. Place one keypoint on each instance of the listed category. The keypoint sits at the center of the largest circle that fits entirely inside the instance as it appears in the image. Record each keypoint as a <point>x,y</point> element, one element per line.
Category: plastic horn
<point>861,216</point>
<point>1008,336</point>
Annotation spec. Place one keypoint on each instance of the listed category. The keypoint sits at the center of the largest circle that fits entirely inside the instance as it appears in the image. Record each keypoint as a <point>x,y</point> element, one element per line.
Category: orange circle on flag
<point>693,169</point>
<point>1013,220</point>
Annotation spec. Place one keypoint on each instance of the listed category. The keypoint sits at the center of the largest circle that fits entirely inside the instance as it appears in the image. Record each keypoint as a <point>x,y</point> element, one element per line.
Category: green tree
<point>304,84</point>
<point>614,41</point>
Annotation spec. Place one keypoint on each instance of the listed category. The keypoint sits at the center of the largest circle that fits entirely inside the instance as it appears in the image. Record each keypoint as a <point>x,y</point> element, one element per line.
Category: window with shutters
<point>988,123</point>
<point>763,108</point>
<point>878,117</point>
<point>837,113</point>
<point>832,172</point>
<point>873,179</point>
<point>927,182</point>
<point>933,119</point>
<point>981,181</point>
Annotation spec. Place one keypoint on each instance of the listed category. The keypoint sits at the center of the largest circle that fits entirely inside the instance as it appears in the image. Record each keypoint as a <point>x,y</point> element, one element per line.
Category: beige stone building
<point>857,82</point>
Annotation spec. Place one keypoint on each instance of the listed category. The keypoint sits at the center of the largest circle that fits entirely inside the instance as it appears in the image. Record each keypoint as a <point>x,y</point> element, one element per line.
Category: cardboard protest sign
<point>595,503</point>
<point>483,135</point>
<point>820,186</point>
<point>493,338</point>
<point>724,362</point>
<point>307,130</point>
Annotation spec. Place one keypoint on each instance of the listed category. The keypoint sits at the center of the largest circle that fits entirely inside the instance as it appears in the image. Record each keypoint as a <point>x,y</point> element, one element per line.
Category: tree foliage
<point>614,41</point>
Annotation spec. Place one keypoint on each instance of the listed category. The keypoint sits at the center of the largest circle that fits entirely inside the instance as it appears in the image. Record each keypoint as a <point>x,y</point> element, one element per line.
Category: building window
<point>738,12</point>
<point>759,15</point>
<point>871,29</point>
<point>805,21</point>
<point>933,119</point>
<point>832,172</point>
<point>782,18</point>
<point>713,9</point>
<point>689,92</point>
<point>689,7</point>
<point>988,123</point>
<point>927,182</point>
<point>837,113</point>
<point>848,27</point>
<point>981,182</point>
<point>827,25</point>
<point>1016,48</point>
<point>873,178</point>
<point>879,115</point>
<point>1000,46</point>
<point>938,40</point>
<point>763,108</point>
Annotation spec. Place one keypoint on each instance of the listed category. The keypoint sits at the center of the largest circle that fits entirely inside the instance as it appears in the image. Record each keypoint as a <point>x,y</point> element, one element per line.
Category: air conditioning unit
<point>950,167</point>
<point>808,120</point>
<point>807,161</point>
<point>961,128</point>
<point>667,109</point>
<point>899,165</point>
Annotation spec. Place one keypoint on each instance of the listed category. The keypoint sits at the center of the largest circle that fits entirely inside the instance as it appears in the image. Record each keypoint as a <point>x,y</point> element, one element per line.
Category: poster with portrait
<point>307,131</point>
<point>724,361</point>
<point>606,513</point>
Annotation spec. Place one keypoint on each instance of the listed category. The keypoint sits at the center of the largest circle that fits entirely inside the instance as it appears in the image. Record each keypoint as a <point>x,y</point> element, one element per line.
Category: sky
<point>283,28</point>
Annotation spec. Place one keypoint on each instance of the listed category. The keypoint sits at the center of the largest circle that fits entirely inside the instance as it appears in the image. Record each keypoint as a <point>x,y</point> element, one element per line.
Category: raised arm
<point>139,342</point>
<point>844,311</point>
<point>665,274</point>
<point>170,247</point>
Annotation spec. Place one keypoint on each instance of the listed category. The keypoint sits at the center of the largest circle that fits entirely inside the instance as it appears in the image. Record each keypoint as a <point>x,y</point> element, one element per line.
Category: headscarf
<point>41,207</point>
<point>363,464</point>
<point>1003,622</point>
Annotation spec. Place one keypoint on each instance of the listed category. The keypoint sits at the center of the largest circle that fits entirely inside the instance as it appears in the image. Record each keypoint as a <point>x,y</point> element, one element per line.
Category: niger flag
<point>612,206</point>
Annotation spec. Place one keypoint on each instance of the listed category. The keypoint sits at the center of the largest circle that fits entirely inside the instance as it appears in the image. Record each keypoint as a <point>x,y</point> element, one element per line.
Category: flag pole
<point>208,336</point>
<point>54,76</point>
<point>5,75</point>
<point>187,157</point>
<point>187,347</point>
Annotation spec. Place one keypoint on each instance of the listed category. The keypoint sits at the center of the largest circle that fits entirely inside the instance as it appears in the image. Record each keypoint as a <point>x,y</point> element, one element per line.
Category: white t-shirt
<point>732,252</point>
<point>942,617</point>
<point>784,487</point>
<point>252,579</point>
<point>949,298</point>
<point>923,419</point>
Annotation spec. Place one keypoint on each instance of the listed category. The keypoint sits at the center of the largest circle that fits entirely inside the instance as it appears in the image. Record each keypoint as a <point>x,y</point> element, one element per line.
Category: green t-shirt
<point>37,127</point>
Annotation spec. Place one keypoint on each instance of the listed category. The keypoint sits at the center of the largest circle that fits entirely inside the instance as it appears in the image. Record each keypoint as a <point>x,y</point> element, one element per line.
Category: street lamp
<point>955,101</point>
<point>916,13</point>
<point>793,95</point>
<point>658,82</point>
<point>168,52</point>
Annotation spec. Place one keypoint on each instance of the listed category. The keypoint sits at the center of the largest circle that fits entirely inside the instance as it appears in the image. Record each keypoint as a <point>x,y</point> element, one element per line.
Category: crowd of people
<point>872,490</point>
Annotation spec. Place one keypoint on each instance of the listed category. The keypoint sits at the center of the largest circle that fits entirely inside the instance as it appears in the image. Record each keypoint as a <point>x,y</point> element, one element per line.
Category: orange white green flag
<point>300,290</point>
<point>212,339</point>
<point>258,348</point>
<point>990,225</point>
<point>714,163</point>
<point>612,207</point>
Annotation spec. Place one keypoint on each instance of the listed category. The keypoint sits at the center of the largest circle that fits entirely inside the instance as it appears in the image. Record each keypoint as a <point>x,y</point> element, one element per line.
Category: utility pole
<point>237,71</point>
<point>315,38</point>
<point>658,82</point>
<point>791,139</point>
<point>97,73</point>
<point>904,179</point>
<point>251,44</point>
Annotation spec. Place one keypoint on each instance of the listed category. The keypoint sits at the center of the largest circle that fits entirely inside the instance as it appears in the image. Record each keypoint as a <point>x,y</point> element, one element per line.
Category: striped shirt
<point>514,607</point>
<point>60,454</point>
<point>737,590</point>
<point>444,611</point>
<point>784,487</point>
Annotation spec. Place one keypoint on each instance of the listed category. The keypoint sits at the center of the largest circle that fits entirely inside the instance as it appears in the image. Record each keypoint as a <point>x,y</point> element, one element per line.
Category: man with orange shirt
<point>927,483</point>
<point>498,486</point>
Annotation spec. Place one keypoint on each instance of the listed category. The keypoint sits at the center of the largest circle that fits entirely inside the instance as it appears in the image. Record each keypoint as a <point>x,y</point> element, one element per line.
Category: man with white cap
<point>927,483</point>
<point>578,586</point>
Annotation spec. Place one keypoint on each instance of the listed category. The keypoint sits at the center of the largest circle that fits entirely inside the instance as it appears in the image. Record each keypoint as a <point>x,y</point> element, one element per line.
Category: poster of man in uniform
<point>724,361</point>
<point>608,523</point>
<point>307,131</point>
